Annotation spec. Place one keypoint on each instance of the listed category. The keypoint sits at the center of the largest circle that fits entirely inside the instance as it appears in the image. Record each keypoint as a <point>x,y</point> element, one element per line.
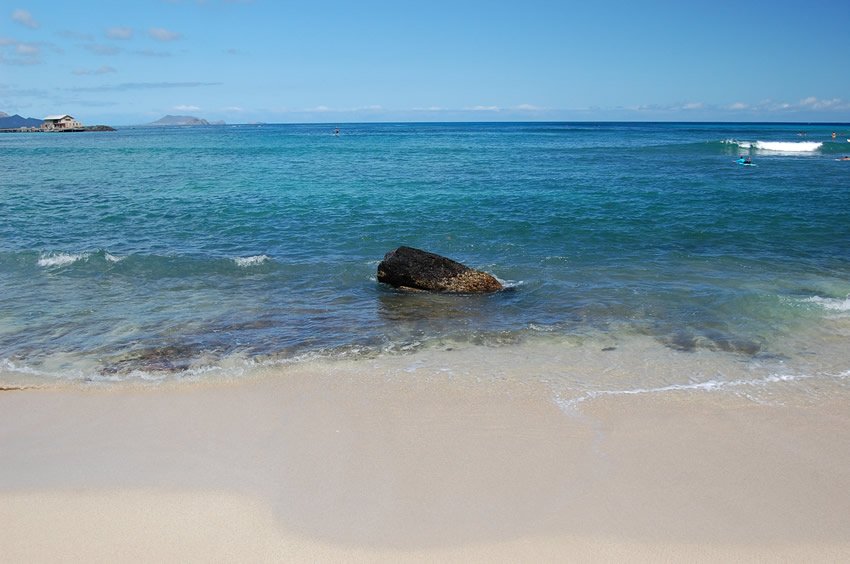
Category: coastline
<point>400,459</point>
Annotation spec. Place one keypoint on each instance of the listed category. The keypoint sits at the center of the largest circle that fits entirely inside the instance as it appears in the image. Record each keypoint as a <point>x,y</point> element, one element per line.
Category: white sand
<point>338,463</point>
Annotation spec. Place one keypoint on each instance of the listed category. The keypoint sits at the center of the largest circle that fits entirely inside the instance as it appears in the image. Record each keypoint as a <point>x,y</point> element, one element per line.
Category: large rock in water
<point>411,268</point>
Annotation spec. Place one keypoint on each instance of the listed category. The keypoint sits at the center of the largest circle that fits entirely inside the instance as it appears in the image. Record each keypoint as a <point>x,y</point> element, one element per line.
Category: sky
<point>323,61</point>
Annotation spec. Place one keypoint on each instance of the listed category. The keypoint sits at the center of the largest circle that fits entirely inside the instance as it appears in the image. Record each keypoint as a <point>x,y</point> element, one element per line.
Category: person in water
<point>748,160</point>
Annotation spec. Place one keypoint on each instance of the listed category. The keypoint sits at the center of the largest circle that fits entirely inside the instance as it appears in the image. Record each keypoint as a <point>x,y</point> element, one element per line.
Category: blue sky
<point>277,61</point>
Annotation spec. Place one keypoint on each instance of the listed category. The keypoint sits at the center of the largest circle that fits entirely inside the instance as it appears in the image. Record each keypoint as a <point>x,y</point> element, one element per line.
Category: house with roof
<point>62,122</point>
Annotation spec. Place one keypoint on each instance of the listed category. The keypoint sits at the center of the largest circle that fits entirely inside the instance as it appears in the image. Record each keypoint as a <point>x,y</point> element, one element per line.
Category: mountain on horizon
<point>179,120</point>
<point>16,121</point>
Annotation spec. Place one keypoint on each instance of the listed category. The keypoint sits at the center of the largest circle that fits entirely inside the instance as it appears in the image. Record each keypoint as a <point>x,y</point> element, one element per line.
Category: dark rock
<point>415,269</point>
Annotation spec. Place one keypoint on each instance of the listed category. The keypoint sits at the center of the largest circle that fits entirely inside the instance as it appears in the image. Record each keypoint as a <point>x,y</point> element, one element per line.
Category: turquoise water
<point>154,251</point>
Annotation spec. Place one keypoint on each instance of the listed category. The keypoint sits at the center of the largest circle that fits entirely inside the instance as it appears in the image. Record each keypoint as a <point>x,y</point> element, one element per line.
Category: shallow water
<point>153,253</point>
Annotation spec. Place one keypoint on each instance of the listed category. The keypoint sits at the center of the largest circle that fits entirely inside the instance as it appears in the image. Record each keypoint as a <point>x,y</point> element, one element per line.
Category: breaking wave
<point>60,259</point>
<point>251,261</point>
<point>778,146</point>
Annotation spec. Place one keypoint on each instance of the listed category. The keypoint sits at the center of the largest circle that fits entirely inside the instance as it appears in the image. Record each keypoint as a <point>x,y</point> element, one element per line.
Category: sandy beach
<point>367,461</point>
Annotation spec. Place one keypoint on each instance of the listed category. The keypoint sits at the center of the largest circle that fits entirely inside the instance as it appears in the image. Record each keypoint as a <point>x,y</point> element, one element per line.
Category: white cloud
<point>484,108</point>
<point>186,108</point>
<point>693,106</point>
<point>24,18</point>
<point>737,106</point>
<point>814,103</point>
<point>119,32</point>
<point>233,109</point>
<point>162,34</point>
<point>529,108</point>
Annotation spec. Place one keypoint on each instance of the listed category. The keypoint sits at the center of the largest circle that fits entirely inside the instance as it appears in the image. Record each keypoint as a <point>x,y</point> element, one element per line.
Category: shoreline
<point>393,460</point>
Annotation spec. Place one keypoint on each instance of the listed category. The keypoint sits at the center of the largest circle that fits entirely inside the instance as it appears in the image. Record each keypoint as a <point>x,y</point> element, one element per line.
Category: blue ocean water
<point>151,251</point>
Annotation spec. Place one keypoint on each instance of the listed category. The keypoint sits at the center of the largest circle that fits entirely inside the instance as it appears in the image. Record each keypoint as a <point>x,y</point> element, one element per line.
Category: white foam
<point>251,261</point>
<point>788,146</point>
<point>777,146</point>
<point>9,366</point>
<point>113,258</point>
<point>570,405</point>
<point>834,304</point>
<point>60,259</point>
<point>510,283</point>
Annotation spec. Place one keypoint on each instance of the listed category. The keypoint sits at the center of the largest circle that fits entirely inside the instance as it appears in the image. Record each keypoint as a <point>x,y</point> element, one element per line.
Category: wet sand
<point>343,462</point>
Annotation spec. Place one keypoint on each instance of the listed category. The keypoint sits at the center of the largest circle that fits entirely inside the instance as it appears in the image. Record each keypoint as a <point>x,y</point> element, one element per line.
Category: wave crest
<point>251,261</point>
<point>48,260</point>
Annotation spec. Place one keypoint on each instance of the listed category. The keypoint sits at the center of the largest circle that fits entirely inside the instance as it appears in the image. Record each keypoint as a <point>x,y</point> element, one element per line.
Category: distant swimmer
<point>845,158</point>
<point>833,135</point>
<point>336,131</point>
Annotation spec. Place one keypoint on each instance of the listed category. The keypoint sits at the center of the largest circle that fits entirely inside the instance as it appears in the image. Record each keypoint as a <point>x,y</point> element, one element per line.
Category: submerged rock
<point>415,269</point>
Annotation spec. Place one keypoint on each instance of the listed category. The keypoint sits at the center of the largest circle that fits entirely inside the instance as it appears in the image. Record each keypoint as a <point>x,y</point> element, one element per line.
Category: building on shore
<point>62,122</point>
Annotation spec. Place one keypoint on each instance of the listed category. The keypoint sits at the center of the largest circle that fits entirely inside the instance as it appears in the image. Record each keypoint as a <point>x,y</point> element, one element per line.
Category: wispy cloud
<point>126,86</point>
<point>101,49</point>
<point>529,108</point>
<point>24,18</point>
<point>75,35</point>
<point>152,53</point>
<point>119,32</point>
<point>816,104</point>
<point>105,69</point>
<point>762,107</point>
<point>14,52</point>
<point>186,108</point>
<point>162,34</point>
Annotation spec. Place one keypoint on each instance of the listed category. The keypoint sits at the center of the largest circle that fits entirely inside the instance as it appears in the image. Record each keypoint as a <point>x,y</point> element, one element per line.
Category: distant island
<point>183,120</point>
<point>53,123</point>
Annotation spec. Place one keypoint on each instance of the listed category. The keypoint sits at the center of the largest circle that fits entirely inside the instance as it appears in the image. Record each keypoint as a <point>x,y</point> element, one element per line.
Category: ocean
<point>637,256</point>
